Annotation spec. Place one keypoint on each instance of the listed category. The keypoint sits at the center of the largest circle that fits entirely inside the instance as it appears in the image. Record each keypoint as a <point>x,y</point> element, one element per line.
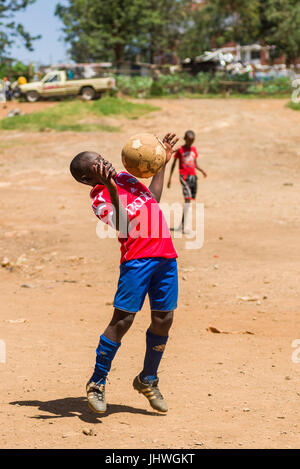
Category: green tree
<point>14,70</point>
<point>283,17</point>
<point>102,30</point>
<point>167,23</point>
<point>221,21</point>
<point>9,29</point>
<point>269,22</point>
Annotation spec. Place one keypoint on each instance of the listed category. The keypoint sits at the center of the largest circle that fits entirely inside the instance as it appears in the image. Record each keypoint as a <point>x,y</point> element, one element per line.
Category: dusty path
<point>224,390</point>
<point>27,108</point>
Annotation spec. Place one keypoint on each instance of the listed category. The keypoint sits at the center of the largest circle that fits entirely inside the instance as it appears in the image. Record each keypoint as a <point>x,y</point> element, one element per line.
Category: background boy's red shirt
<point>187,160</point>
<point>149,234</point>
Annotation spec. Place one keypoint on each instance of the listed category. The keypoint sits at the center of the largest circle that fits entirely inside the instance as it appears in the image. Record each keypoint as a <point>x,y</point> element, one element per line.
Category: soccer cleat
<point>152,393</point>
<point>96,397</point>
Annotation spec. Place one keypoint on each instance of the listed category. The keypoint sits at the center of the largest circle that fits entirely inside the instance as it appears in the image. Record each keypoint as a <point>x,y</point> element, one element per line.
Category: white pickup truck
<point>56,84</point>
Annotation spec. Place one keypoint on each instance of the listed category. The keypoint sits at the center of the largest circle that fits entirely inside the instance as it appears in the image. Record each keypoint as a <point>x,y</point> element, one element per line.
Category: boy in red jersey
<point>187,156</point>
<point>148,266</point>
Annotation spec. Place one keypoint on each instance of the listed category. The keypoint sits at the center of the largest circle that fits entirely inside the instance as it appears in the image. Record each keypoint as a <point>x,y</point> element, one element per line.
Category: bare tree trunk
<point>119,54</point>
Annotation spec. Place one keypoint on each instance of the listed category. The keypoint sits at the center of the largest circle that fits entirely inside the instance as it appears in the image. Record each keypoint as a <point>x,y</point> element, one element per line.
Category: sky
<point>39,19</point>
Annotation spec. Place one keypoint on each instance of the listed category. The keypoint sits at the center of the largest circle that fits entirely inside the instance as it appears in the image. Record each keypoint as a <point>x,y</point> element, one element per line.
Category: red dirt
<point>27,108</point>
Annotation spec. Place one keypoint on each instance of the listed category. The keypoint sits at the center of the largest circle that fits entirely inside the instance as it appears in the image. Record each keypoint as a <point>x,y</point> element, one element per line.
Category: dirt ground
<point>27,108</point>
<point>57,283</point>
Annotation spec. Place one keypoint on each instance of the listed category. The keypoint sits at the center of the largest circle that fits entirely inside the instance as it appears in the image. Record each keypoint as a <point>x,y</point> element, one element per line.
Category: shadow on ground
<point>77,407</point>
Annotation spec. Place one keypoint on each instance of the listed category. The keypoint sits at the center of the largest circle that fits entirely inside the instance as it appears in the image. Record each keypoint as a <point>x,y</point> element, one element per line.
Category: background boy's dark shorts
<point>189,186</point>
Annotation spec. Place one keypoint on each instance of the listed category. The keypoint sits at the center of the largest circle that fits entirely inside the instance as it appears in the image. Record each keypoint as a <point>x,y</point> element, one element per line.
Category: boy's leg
<point>185,224</point>
<point>119,325</point>
<point>135,276</point>
<point>188,207</point>
<point>132,289</point>
<point>156,339</point>
<point>109,344</point>
<point>163,295</point>
<point>187,194</point>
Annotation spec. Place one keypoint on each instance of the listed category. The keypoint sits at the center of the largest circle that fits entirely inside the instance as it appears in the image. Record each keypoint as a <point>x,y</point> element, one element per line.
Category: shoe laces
<point>99,390</point>
<point>156,390</point>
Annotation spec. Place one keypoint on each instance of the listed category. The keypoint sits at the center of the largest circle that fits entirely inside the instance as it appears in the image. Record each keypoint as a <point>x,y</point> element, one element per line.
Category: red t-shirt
<point>149,235</point>
<point>187,160</point>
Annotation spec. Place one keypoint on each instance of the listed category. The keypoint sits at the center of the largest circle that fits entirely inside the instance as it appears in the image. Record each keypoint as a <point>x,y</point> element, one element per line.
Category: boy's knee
<point>128,320</point>
<point>161,322</point>
<point>122,319</point>
<point>119,325</point>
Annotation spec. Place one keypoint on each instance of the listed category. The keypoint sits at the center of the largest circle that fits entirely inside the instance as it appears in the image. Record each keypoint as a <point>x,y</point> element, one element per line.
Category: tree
<point>221,21</point>
<point>284,28</point>
<point>9,29</point>
<point>269,22</point>
<point>15,70</point>
<point>167,25</point>
<point>98,29</point>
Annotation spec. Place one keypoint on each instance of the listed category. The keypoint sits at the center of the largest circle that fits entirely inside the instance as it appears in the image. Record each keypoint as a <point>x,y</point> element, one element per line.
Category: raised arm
<point>157,183</point>
<point>106,174</point>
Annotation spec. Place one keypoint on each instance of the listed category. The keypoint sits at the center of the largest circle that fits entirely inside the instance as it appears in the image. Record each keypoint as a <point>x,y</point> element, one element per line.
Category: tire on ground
<point>88,93</point>
<point>32,96</point>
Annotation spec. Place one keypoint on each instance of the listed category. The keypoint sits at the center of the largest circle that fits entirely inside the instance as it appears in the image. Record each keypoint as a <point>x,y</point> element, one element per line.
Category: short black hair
<point>78,164</point>
<point>189,132</point>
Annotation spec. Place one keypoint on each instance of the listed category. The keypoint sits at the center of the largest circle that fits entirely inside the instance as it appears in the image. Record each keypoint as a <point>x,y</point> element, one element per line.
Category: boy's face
<point>189,139</point>
<point>89,176</point>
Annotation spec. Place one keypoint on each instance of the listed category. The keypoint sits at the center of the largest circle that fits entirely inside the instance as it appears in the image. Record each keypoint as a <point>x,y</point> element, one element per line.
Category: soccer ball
<point>144,155</point>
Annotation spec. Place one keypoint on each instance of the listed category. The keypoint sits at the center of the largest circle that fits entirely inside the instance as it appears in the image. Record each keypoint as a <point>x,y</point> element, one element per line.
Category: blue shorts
<point>156,276</point>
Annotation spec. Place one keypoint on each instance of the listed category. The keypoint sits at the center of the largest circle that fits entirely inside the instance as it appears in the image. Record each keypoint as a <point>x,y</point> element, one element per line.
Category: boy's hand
<point>204,173</point>
<point>169,141</point>
<point>105,173</point>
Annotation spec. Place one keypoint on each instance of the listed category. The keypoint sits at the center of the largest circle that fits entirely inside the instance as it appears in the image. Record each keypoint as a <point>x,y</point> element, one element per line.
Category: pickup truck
<point>55,84</point>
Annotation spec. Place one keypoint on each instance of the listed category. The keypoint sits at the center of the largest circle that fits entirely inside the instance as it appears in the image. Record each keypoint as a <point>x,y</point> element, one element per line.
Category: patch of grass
<point>66,116</point>
<point>113,106</point>
<point>294,106</point>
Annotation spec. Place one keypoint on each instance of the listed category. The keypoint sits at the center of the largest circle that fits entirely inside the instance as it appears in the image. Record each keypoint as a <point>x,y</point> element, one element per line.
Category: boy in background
<point>187,156</point>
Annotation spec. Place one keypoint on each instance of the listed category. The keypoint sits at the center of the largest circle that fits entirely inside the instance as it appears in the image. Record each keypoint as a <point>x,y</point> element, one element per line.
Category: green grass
<point>71,116</point>
<point>295,106</point>
<point>113,106</point>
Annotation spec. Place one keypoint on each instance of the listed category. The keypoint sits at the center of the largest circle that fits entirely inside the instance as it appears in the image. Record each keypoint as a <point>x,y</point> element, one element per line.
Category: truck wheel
<point>88,93</point>
<point>32,96</point>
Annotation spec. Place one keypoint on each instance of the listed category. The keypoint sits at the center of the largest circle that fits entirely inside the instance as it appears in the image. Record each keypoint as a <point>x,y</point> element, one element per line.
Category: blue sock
<point>155,346</point>
<point>106,352</point>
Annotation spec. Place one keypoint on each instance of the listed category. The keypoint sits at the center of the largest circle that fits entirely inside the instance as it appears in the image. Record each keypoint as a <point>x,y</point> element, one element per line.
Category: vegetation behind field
<point>202,84</point>
<point>78,116</point>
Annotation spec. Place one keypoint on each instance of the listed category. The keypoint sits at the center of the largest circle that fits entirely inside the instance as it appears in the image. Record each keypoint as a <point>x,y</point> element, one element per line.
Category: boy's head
<point>82,167</point>
<point>189,137</point>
